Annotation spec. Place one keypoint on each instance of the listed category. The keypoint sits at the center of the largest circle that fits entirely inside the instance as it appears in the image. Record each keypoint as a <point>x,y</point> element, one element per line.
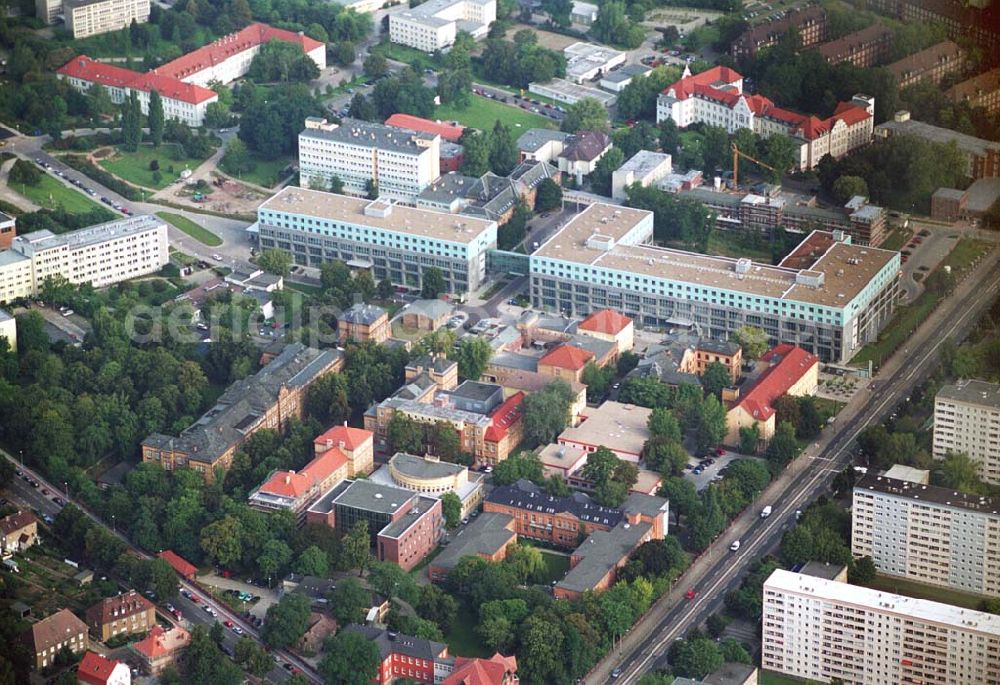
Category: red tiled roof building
<point>497,670</point>
<point>792,371</point>
<point>184,568</point>
<point>183,83</point>
<point>448,130</point>
<point>94,669</point>
<point>565,361</point>
<point>716,97</point>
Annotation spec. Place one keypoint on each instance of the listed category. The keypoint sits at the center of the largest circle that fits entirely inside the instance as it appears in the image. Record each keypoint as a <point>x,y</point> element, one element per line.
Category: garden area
<point>149,167</point>
<point>266,173</point>
<point>51,193</point>
<point>484,112</point>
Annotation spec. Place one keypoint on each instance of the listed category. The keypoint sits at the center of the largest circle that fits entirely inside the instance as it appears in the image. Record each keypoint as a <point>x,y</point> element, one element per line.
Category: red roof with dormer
<point>231,45</point>
<point>567,357</point>
<point>708,78</point>
<point>505,416</point>
<point>295,485</point>
<point>94,669</point>
<point>160,643</point>
<point>605,321</point>
<point>110,76</point>
<point>344,437</point>
<point>791,364</point>
<point>492,671</point>
<point>447,130</point>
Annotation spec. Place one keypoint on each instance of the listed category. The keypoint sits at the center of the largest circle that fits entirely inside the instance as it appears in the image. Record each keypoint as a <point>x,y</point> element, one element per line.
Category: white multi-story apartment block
<point>819,629</point>
<point>645,168</point>
<point>92,17</point>
<point>928,534</point>
<point>101,255</point>
<point>967,420</point>
<point>716,97</point>
<point>434,24</point>
<point>828,296</point>
<point>48,10</point>
<point>402,162</point>
<point>183,83</point>
<point>395,242</point>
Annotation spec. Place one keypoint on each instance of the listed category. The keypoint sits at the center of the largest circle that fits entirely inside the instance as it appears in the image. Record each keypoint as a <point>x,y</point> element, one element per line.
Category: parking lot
<point>710,472</point>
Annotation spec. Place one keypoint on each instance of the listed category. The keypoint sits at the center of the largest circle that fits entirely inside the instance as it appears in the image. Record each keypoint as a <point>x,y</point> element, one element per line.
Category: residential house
<point>45,638</point>
<point>124,613</point>
<point>18,532</point>
<point>161,648</point>
<point>982,92</point>
<point>95,669</point>
<point>607,324</point>
<point>565,362</point>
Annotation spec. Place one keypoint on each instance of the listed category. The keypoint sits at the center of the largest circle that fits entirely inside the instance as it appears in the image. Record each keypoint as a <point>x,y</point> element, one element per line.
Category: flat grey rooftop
<point>370,134</point>
<point>983,194</point>
<point>644,161</point>
<point>412,517</point>
<point>419,467</point>
<point>485,535</point>
<point>920,493</point>
<point>601,551</point>
<point>972,392</point>
<point>368,496</point>
<point>966,143</point>
<point>533,139</point>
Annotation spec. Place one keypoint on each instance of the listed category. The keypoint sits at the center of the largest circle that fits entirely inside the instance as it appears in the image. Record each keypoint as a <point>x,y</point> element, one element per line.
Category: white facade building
<point>402,162</point>
<point>92,17</point>
<point>645,168</point>
<point>395,242</point>
<point>434,24</point>
<point>716,97</point>
<point>48,10</point>
<point>928,534</point>
<point>101,255</point>
<point>819,629</point>
<point>967,420</point>
<point>182,83</point>
<point>584,61</point>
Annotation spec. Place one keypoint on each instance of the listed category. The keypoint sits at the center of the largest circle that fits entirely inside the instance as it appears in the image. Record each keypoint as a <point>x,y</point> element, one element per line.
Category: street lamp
<point>113,528</point>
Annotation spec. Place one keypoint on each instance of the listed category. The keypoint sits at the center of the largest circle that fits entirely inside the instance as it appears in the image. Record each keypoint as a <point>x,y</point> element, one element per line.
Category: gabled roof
<point>586,146</point>
<point>94,669</point>
<point>160,643</point>
<point>345,437</point>
<point>17,521</point>
<point>505,416</point>
<point>713,77</point>
<point>400,644</point>
<point>605,321</point>
<point>567,357</point>
<point>58,627</point>
<point>295,485</point>
<point>183,567</point>
<point>490,671</point>
<point>233,44</point>
<point>791,363</point>
<point>446,129</point>
<point>111,76</point>
<point>120,606</point>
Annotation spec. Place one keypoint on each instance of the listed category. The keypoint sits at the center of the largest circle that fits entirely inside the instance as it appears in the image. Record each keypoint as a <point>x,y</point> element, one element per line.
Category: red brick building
<point>126,613</point>
<point>403,656</point>
<point>868,47</point>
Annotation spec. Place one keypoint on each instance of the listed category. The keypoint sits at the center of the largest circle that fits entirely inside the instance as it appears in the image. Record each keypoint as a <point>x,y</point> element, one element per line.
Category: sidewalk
<point>777,491</point>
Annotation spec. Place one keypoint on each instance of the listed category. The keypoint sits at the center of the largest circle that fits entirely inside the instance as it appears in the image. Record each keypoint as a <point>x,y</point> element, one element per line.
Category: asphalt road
<point>22,492</point>
<point>809,476</point>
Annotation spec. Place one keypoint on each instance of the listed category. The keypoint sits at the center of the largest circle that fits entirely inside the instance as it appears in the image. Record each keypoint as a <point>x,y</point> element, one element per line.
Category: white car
<point>217,257</point>
<point>735,546</point>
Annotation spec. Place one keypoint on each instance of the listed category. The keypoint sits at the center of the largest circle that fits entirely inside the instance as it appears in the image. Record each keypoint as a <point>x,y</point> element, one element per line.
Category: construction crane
<point>737,153</point>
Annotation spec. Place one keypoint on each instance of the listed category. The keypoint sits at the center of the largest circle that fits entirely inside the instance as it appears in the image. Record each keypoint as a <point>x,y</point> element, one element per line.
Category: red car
<point>228,624</point>
<point>194,599</point>
<point>690,594</point>
<point>720,451</point>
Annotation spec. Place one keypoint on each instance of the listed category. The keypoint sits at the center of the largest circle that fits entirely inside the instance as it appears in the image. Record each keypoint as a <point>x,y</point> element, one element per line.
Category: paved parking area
<point>267,597</point>
<point>713,471</point>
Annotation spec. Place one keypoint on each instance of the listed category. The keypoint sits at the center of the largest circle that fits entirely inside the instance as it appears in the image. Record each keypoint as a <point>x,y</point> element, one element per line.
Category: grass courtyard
<point>134,166</point>
<point>202,235</point>
<point>462,639</point>
<point>266,173</point>
<point>51,193</point>
<point>483,113</point>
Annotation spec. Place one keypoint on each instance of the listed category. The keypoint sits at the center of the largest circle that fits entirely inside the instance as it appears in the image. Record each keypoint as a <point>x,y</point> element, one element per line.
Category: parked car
<point>735,546</point>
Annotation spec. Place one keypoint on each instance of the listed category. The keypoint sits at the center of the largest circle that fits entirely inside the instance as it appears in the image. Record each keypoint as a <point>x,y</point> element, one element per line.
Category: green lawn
<point>266,172</point>
<point>483,113</point>
<point>134,166</point>
<point>896,239</point>
<point>827,407</point>
<point>462,639</point>
<point>769,678</point>
<point>402,53</point>
<point>51,193</point>
<point>202,235</point>
<point>908,317</point>
<point>556,566</point>
<point>304,288</point>
<point>929,592</point>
